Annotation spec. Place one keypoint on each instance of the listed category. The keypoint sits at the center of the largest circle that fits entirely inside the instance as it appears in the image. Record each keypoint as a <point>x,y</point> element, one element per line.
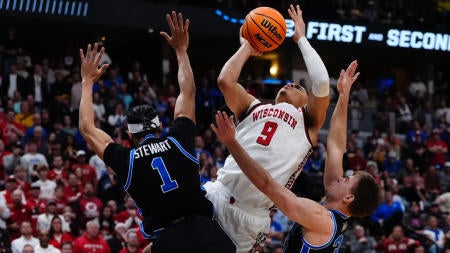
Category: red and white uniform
<point>276,137</point>
<point>84,244</point>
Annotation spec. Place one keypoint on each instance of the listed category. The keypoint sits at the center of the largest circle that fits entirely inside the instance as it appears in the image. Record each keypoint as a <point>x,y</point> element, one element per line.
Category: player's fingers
<point>99,56</point>
<point>88,52</point>
<point>165,35</point>
<point>356,76</point>
<point>174,19</point>
<point>103,68</point>
<point>169,22</point>
<point>180,21</point>
<point>82,55</point>
<point>214,129</point>
<point>299,11</point>
<point>186,25</point>
<point>94,51</point>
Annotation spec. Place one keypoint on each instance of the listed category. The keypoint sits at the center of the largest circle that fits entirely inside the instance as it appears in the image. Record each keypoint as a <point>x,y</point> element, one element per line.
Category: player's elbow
<point>223,82</point>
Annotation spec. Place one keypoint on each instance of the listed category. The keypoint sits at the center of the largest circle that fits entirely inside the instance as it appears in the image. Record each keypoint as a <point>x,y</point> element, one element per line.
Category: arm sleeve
<point>316,69</point>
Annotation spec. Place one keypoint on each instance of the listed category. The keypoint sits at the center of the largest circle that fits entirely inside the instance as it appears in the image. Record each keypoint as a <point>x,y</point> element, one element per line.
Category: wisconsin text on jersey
<point>276,113</point>
<point>152,148</point>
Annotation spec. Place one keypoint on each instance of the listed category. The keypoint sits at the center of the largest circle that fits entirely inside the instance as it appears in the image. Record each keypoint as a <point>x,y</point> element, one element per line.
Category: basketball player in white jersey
<point>279,137</point>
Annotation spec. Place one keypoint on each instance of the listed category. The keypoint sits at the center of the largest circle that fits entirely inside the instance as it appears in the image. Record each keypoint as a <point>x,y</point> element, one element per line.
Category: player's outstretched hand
<point>347,78</point>
<point>90,62</point>
<point>247,44</point>
<point>299,24</point>
<point>179,30</point>
<point>225,129</point>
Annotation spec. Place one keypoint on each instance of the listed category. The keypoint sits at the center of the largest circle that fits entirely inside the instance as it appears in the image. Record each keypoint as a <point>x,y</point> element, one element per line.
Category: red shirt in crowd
<point>403,246</point>
<point>437,157</point>
<point>57,174</point>
<point>91,207</point>
<point>57,241</point>
<point>19,213</point>
<point>72,191</point>
<point>89,174</point>
<point>125,250</point>
<point>85,244</point>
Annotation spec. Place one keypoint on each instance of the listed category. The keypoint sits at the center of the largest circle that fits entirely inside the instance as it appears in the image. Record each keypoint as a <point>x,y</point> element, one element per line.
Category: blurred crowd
<point>434,13</point>
<point>56,192</point>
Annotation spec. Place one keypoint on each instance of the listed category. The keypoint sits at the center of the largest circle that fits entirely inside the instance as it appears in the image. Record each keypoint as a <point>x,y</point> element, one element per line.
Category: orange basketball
<point>264,28</point>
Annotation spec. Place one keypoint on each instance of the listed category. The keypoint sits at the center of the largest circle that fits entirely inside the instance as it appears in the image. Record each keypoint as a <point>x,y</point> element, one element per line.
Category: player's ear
<point>349,198</point>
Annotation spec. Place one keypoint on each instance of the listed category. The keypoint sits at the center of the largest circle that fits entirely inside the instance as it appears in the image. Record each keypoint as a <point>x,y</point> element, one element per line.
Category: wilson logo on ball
<point>264,28</point>
<point>271,28</point>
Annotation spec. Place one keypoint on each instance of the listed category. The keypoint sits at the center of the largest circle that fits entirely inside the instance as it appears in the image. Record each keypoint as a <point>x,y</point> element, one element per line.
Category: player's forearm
<point>86,122</point>
<point>185,75</point>
<point>316,69</point>
<point>337,134</point>
<point>232,68</point>
<point>257,174</point>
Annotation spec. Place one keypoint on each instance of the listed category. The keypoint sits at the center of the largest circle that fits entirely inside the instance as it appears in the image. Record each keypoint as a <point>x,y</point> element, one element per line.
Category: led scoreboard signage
<point>362,34</point>
<point>67,8</point>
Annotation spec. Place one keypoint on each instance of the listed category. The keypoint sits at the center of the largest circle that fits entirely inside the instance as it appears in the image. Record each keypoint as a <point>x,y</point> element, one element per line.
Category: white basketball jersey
<point>276,137</point>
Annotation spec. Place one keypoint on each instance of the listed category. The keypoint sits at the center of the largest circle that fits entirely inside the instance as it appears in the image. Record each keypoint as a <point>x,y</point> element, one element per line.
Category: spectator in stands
<point>389,213</point>
<point>47,186</point>
<point>359,242</point>
<point>418,152</point>
<point>126,98</point>
<point>392,164</point>
<point>31,159</point>
<point>437,148</point>
<point>445,177</point>
<point>118,240</point>
<point>58,173</point>
<point>66,247</point>
<point>417,87</point>
<point>276,235</point>
<point>89,174</point>
<point>60,199</point>
<point>12,82</point>
<point>19,213</point>
<point>413,218</point>
<point>26,115</point>
<point>73,190</point>
<point>443,110</point>
<point>36,205</point>
<point>132,243</point>
<point>10,126</point>
<point>44,246</point>
<point>45,219</point>
<point>435,234</point>
<point>404,115</point>
<point>397,242</point>
<point>28,249</point>
<point>26,238</point>
<point>432,182</point>
<point>106,221</point>
<point>91,241</point>
<point>6,194</point>
<point>118,118</point>
<point>416,132</point>
<point>37,87</point>
<point>90,205</point>
<point>56,234</point>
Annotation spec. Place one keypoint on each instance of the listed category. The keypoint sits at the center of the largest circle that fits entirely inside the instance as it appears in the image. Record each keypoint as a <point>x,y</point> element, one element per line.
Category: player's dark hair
<point>367,195</point>
<point>142,114</point>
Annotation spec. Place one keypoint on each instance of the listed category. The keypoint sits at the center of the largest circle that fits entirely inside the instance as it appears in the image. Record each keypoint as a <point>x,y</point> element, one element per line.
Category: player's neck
<point>334,205</point>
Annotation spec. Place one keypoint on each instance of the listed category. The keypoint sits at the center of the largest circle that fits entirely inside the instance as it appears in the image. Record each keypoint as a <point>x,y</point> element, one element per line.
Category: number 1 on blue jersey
<point>168,183</point>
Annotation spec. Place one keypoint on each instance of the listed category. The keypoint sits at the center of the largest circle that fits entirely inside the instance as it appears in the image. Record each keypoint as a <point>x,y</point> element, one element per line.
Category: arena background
<point>54,29</point>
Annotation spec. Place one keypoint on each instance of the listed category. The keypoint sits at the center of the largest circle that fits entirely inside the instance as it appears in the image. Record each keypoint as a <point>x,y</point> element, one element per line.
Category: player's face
<point>293,94</point>
<point>340,188</point>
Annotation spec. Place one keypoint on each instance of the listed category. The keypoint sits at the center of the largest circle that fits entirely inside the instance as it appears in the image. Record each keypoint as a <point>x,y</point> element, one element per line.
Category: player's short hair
<point>142,120</point>
<point>367,195</point>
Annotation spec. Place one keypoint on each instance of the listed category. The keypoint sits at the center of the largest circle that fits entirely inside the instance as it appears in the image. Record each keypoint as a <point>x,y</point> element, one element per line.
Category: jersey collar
<point>148,136</point>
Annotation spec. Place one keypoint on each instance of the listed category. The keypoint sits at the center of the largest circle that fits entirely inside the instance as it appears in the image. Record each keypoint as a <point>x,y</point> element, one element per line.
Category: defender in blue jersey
<point>159,173</point>
<point>319,227</point>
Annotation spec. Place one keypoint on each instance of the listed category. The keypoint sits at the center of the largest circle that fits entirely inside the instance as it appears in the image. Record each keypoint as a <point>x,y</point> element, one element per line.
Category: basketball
<point>264,28</point>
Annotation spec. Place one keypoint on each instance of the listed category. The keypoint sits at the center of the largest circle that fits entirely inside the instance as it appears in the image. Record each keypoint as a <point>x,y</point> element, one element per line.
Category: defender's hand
<point>89,63</point>
<point>179,31</point>
<point>225,129</point>
<point>347,78</point>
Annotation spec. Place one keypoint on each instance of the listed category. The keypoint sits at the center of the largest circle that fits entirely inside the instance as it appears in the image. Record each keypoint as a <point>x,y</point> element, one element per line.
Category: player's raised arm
<point>90,73</point>
<point>303,211</point>
<point>236,97</point>
<point>179,41</point>
<point>319,100</point>
<point>337,134</point>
